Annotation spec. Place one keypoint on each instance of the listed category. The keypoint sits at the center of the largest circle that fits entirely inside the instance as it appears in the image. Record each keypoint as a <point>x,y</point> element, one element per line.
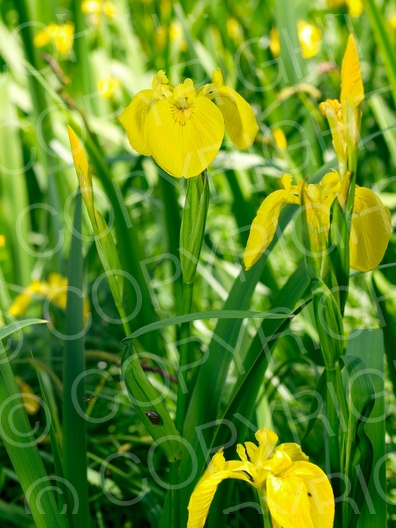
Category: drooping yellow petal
<point>240,122</point>
<point>133,119</point>
<point>351,78</point>
<point>288,502</point>
<point>263,228</point>
<point>370,231</point>
<point>184,140</point>
<point>201,498</point>
<point>301,497</point>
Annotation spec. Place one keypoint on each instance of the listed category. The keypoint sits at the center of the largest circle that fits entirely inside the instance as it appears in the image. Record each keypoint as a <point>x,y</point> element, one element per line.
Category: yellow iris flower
<point>309,37</point>
<point>182,128</point>
<point>370,229</point>
<point>297,492</point>
<point>55,289</point>
<point>344,115</point>
<point>60,36</point>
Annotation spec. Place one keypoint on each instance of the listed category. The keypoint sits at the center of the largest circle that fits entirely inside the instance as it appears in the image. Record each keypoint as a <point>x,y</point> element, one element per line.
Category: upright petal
<point>240,122</point>
<point>202,496</point>
<point>371,230</point>
<point>184,141</point>
<point>133,119</point>
<point>351,78</point>
<point>263,228</point>
<point>293,450</point>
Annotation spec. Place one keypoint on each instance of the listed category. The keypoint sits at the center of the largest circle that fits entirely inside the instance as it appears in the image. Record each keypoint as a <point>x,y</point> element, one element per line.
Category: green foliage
<point>275,346</point>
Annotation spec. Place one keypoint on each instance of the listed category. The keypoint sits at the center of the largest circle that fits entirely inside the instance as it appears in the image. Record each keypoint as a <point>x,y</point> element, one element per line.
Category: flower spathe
<point>370,229</point>
<point>298,493</point>
<point>182,128</point>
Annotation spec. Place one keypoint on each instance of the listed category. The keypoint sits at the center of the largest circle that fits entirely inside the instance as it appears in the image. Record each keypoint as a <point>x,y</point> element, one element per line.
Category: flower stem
<point>185,358</point>
<point>264,507</point>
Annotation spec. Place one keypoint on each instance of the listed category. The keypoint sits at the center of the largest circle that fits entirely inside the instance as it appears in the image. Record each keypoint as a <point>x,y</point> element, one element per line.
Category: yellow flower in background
<point>2,241</point>
<point>371,222</point>
<point>182,128</point>
<point>309,36</point>
<point>392,21</point>
<point>176,35</point>
<point>234,29</point>
<point>355,7</point>
<point>297,492</point>
<point>55,289</point>
<point>344,115</point>
<point>60,36</point>
<point>107,86</point>
<point>30,400</point>
<point>97,8</point>
<point>279,138</point>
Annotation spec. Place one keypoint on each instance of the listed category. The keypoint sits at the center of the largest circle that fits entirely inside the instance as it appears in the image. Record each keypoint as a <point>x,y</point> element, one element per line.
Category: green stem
<point>264,506</point>
<point>332,407</point>
<point>185,355</point>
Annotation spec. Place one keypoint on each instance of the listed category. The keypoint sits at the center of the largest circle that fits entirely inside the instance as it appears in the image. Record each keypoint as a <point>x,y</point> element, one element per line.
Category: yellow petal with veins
<point>351,78</point>
<point>301,497</point>
<point>370,231</point>
<point>184,140</point>
<point>133,119</point>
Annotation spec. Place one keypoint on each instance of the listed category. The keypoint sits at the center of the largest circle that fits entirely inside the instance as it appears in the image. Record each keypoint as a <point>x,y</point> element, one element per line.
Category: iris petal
<point>351,78</point>
<point>184,141</point>
<point>371,230</point>
<point>264,226</point>
<point>133,119</point>
<point>239,119</point>
<point>203,494</point>
<point>301,497</point>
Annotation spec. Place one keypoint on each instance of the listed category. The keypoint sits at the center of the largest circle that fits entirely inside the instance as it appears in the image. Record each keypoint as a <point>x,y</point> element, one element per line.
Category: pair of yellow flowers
<point>182,129</point>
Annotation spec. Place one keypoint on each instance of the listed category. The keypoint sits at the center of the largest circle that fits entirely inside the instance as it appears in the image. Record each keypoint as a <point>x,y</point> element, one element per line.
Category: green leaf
<point>368,345</point>
<point>196,316</point>
<point>146,399</point>
<point>385,47</point>
<point>358,451</point>
<point>18,325</point>
<point>74,423</point>
<point>21,446</point>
